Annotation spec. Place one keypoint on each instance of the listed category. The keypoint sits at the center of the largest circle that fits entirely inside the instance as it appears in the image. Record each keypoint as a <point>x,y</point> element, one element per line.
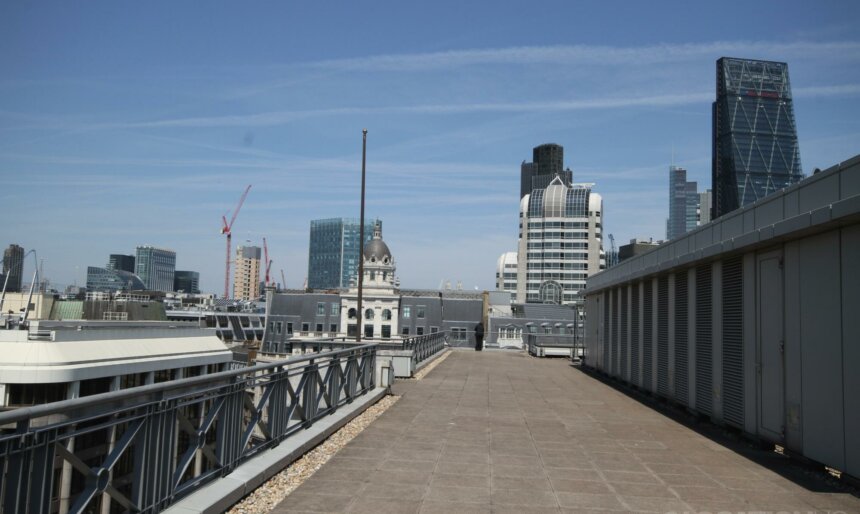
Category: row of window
<point>572,234</point>
<point>538,245</point>
<point>557,265</point>
<point>555,275</point>
<point>558,224</point>
<point>557,255</point>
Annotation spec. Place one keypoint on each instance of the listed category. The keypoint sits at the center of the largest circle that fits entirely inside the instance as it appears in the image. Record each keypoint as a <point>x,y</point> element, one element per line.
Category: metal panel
<point>821,349</point>
<point>851,345</point>
<point>792,356</point>
<point>704,349</point>
<point>623,332</point>
<point>648,336</point>
<point>606,330</point>
<point>732,347</point>
<point>663,335</point>
<point>681,352</point>
<point>635,342</point>
<point>769,347</point>
<point>613,369</point>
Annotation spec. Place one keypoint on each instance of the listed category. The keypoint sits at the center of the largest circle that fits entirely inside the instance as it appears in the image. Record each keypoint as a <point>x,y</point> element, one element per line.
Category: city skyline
<point>149,139</point>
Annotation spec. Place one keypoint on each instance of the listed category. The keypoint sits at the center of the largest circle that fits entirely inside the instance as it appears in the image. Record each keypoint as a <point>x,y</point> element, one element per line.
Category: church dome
<point>377,251</point>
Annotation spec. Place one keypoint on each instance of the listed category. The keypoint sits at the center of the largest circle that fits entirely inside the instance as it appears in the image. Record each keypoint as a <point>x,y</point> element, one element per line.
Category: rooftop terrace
<point>503,432</point>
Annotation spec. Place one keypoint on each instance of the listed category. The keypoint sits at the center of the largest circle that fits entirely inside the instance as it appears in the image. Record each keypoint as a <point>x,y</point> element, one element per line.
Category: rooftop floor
<point>504,432</point>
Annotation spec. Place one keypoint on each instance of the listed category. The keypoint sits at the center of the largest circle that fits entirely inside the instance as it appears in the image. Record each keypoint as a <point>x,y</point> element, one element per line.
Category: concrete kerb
<point>219,495</point>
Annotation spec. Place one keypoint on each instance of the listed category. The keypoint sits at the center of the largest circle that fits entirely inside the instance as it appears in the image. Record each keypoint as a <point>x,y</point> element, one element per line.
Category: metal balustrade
<point>142,449</point>
<point>424,347</point>
<point>543,345</point>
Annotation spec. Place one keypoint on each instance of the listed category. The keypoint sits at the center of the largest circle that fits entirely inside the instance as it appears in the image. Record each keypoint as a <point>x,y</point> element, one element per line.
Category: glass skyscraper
<point>333,252</point>
<point>156,267</point>
<point>683,204</point>
<point>755,149</point>
<point>547,162</point>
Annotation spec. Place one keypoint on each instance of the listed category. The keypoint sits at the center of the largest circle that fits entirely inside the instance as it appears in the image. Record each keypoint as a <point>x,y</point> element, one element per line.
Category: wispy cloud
<point>585,54</point>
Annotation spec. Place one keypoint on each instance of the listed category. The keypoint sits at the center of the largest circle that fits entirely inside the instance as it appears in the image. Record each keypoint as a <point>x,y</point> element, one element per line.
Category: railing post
<point>309,393</point>
<point>334,385</point>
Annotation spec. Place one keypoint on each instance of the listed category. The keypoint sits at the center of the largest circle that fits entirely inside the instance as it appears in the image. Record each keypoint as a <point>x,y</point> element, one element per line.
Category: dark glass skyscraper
<point>755,149</point>
<point>13,266</point>
<point>547,162</point>
<point>333,252</point>
<point>683,204</point>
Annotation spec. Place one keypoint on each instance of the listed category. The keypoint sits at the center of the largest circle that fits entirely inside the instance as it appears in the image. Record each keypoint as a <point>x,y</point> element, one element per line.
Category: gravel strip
<point>267,496</point>
<point>427,369</point>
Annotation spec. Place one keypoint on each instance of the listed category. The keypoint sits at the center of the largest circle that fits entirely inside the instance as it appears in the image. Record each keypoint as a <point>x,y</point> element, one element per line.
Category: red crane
<point>226,229</point>
<point>268,262</point>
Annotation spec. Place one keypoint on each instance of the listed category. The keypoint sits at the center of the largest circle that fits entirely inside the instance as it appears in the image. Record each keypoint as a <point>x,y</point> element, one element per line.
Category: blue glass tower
<point>755,149</point>
<point>333,252</point>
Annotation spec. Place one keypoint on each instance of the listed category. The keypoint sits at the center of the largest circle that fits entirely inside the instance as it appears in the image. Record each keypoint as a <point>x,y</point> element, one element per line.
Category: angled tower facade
<point>755,150</point>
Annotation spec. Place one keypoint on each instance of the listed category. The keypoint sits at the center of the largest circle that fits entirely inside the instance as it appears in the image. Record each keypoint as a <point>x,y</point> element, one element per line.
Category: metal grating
<point>733,356</point>
<point>623,341</point>
<point>614,367</point>
<point>634,335</point>
<point>648,336</point>
<point>663,335</point>
<point>704,343</point>
<point>606,297</point>
<point>682,391</point>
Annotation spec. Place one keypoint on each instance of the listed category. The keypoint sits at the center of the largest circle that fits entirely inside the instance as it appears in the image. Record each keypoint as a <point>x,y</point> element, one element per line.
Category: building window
<point>547,330</point>
<point>351,330</point>
<point>419,331</point>
<point>459,334</point>
<point>404,331</point>
<point>320,309</point>
<point>407,312</point>
<point>368,314</point>
<point>289,328</point>
<point>386,314</point>
<point>332,328</point>
<point>319,327</point>
<point>306,327</point>
<point>386,331</point>
<point>335,309</point>
<point>434,330</point>
<point>368,331</point>
<point>351,313</point>
<point>420,313</point>
<point>280,326</point>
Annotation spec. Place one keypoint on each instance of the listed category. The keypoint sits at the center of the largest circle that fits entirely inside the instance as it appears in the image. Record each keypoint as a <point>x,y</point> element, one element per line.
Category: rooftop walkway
<point>504,432</point>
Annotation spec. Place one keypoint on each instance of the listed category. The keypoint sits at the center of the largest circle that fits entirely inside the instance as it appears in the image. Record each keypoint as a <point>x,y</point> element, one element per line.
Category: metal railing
<point>426,346</point>
<point>141,449</point>
<point>536,341</point>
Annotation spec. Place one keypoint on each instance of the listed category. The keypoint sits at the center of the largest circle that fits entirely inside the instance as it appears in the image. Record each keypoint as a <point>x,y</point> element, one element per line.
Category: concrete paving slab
<point>504,432</point>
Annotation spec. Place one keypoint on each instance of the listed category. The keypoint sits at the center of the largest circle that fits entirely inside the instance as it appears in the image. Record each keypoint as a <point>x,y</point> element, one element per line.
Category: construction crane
<point>267,261</point>
<point>226,229</point>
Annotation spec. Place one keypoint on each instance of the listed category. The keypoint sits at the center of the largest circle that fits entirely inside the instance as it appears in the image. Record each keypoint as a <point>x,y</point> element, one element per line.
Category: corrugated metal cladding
<point>751,320</point>
<point>648,337</point>
<point>733,342</point>
<point>704,344</point>
<point>682,355</point>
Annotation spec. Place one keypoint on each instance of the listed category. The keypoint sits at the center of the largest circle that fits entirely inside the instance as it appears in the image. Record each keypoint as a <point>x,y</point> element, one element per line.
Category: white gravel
<point>267,496</point>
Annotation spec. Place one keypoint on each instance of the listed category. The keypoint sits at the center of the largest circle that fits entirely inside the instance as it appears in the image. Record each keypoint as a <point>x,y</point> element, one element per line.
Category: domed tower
<point>379,265</point>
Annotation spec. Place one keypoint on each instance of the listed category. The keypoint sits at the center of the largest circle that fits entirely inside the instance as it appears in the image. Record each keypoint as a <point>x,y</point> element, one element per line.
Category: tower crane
<point>267,260</point>
<point>226,229</point>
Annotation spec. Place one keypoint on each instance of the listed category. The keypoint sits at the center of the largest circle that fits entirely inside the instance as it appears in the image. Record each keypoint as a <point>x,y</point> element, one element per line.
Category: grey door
<point>769,345</point>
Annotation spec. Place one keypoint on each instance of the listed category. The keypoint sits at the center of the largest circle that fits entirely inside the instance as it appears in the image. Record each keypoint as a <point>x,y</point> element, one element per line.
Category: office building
<point>13,268</point>
<point>112,280</point>
<point>506,273</point>
<point>559,242</point>
<point>683,204</point>
<point>333,252</point>
<point>547,163</point>
<point>705,205</point>
<point>186,282</point>
<point>155,267</point>
<point>246,275</point>
<point>121,262</point>
<point>755,150</point>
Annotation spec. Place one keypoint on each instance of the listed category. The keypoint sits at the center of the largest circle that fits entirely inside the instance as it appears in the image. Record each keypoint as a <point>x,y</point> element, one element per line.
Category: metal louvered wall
<point>634,334</point>
<point>606,330</point>
<point>614,357</point>
<point>663,335</point>
<point>704,344</point>
<point>733,327</point>
<point>623,340</point>
<point>648,336</point>
<point>681,350</point>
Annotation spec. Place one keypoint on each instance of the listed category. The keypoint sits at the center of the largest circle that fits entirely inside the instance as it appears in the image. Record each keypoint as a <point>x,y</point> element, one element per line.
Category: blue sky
<point>141,123</point>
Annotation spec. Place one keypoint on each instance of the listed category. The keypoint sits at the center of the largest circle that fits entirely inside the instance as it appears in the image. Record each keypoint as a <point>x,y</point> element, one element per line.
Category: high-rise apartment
<point>333,252</point>
<point>559,243</point>
<point>121,262</point>
<point>755,150</point>
<point>506,273</point>
<point>187,282</point>
<point>13,268</point>
<point>683,204</point>
<point>705,205</point>
<point>547,163</point>
<point>155,267</point>
<point>246,276</point>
